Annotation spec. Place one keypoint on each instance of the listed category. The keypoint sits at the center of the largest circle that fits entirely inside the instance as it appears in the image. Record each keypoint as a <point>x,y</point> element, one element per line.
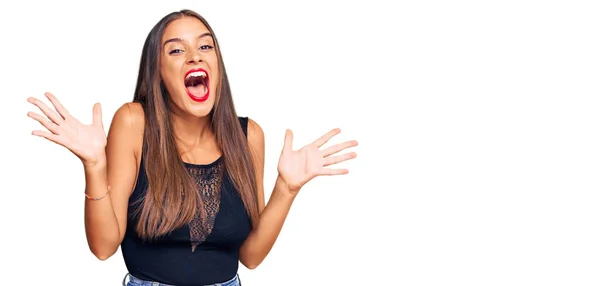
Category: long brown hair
<point>172,200</point>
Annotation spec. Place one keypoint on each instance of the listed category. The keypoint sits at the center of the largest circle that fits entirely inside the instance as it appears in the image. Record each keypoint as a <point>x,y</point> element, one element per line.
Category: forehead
<point>184,28</point>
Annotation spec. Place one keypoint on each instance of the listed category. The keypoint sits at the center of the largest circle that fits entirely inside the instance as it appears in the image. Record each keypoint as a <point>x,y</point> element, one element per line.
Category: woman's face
<point>189,67</point>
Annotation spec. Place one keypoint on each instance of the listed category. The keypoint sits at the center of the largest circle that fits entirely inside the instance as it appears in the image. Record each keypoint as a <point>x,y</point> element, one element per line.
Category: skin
<point>188,45</point>
<point>116,157</point>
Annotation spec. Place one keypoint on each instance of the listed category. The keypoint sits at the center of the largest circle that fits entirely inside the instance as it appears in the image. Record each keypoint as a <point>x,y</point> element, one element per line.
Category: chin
<point>200,111</point>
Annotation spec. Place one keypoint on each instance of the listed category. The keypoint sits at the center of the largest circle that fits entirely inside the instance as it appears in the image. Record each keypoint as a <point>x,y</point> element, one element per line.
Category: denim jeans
<point>134,281</point>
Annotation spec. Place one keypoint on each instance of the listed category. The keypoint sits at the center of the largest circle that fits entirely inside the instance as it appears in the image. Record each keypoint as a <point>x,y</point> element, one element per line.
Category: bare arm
<point>107,162</point>
<point>295,168</point>
<point>106,219</point>
<point>262,238</point>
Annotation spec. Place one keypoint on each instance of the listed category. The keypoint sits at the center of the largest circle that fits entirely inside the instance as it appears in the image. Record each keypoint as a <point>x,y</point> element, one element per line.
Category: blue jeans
<point>134,281</point>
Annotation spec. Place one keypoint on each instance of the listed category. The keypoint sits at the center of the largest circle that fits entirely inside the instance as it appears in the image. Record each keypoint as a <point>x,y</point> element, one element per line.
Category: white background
<point>478,128</point>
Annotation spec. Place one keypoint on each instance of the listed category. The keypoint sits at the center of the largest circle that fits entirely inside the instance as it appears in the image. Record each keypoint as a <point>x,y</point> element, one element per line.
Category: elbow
<point>102,257</point>
<point>252,255</point>
<point>103,247</point>
<point>102,254</point>
<point>251,264</point>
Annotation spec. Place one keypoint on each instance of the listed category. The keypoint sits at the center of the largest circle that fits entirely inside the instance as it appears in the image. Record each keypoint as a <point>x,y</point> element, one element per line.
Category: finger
<point>46,110</point>
<point>338,147</point>
<point>339,158</point>
<point>51,137</point>
<point>51,126</point>
<point>288,141</point>
<point>333,172</point>
<point>323,139</point>
<point>97,114</point>
<point>57,105</point>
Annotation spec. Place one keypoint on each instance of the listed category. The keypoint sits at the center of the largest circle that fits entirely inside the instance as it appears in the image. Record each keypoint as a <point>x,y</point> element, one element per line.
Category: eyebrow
<point>177,40</point>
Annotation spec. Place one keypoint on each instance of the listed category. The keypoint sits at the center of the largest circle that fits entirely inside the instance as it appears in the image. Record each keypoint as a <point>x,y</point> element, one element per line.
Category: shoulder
<point>129,112</point>
<point>256,136</point>
<point>127,126</point>
<point>254,129</point>
<point>130,115</point>
<point>250,127</point>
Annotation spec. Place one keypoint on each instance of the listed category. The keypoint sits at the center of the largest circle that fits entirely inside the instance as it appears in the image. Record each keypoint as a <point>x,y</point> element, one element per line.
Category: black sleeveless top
<point>187,256</point>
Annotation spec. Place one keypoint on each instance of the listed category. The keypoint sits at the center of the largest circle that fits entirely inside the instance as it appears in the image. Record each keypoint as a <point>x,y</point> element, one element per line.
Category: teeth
<point>197,74</point>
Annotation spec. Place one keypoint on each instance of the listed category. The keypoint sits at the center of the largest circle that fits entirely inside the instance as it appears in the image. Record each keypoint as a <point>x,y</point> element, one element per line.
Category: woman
<point>178,180</point>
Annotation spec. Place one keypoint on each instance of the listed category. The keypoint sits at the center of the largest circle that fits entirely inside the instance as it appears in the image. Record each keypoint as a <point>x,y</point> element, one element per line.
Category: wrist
<point>284,188</point>
<point>96,165</point>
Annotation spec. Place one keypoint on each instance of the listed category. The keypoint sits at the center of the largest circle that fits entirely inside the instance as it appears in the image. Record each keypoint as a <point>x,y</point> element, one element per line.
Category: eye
<point>175,51</point>
<point>206,47</point>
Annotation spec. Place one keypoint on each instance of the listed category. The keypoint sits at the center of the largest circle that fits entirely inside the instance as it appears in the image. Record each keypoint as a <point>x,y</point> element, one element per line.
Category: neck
<point>192,131</point>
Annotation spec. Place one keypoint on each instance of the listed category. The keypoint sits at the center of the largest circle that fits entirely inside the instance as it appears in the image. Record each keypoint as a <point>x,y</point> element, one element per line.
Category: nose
<point>194,57</point>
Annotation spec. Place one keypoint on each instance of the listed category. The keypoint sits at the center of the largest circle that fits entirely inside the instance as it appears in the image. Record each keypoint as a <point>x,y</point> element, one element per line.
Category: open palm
<point>298,167</point>
<point>85,141</point>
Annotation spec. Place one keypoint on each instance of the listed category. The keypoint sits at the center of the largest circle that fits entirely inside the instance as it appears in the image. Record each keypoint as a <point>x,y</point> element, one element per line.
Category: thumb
<point>287,143</point>
<point>97,115</point>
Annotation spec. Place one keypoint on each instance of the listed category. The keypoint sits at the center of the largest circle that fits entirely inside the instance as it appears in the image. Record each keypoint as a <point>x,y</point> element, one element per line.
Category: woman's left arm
<point>295,168</point>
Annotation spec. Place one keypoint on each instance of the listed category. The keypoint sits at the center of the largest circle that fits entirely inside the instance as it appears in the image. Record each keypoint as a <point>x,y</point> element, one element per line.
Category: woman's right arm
<point>106,218</point>
<point>107,162</point>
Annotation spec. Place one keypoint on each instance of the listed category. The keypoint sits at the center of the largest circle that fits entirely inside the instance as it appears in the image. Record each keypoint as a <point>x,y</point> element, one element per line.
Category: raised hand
<point>87,142</point>
<point>296,168</point>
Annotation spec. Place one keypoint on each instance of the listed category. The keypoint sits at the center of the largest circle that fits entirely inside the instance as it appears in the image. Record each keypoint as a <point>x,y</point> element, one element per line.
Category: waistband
<point>235,281</point>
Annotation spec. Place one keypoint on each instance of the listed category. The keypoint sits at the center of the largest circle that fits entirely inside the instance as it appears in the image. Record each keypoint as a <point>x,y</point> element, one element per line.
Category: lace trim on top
<point>208,181</point>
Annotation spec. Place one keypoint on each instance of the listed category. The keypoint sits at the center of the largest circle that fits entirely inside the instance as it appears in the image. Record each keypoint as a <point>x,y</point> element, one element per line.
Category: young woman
<point>178,181</point>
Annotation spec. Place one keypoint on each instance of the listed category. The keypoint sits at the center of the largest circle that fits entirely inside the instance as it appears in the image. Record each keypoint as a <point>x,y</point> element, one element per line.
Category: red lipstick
<point>194,80</point>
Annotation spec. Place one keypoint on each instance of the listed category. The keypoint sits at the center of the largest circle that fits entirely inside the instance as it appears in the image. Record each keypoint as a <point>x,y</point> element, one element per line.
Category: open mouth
<point>196,83</point>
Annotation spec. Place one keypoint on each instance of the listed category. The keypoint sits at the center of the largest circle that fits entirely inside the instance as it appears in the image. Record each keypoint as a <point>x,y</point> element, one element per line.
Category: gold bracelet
<point>99,198</point>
